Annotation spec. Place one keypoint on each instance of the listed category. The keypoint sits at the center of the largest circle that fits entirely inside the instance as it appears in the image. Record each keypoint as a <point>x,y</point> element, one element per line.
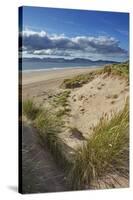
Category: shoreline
<point>30,77</point>
<point>58,68</point>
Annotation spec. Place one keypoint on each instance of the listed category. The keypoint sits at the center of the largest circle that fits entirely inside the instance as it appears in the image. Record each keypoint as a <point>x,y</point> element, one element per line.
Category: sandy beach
<point>35,83</point>
<point>103,95</point>
<point>87,104</point>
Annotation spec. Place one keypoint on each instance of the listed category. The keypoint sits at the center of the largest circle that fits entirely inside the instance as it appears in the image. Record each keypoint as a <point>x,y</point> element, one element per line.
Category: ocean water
<point>48,66</point>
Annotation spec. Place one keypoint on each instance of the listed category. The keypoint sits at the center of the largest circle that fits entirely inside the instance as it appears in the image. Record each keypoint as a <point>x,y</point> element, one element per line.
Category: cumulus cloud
<point>41,43</point>
<point>50,52</point>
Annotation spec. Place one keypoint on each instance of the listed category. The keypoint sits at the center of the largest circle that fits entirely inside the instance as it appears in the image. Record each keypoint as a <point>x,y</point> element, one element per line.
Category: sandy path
<point>40,173</point>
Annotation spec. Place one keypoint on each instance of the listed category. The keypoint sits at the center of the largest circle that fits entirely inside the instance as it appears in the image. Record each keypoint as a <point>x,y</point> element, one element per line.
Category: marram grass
<point>30,110</point>
<point>106,152</point>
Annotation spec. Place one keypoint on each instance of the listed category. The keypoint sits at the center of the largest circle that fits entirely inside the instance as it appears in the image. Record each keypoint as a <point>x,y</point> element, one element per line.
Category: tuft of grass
<point>121,69</point>
<point>106,151</point>
<point>79,80</point>
<point>49,126</point>
<point>62,98</point>
<point>30,110</point>
<point>62,112</point>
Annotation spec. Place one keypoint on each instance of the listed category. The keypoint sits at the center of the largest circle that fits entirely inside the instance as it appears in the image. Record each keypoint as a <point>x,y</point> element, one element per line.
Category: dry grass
<point>80,80</point>
<point>30,110</point>
<point>121,69</point>
<point>106,151</point>
<point>62,98</point>
<point>48,125</point>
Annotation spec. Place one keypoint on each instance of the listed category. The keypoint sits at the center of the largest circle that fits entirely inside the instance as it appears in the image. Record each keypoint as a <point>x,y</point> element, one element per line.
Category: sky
<point>67,33</point>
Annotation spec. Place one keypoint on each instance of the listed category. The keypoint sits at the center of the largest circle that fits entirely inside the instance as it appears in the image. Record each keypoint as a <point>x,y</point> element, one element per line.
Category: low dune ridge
<point>102,96</point>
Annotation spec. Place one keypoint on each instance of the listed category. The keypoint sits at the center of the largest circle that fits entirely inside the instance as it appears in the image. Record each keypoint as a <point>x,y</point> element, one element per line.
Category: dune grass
<point>106,152</point>
<point>48,125</point>
<point>79,80</point>
<point>30,110</point>
<point>64,111</point>
<point>61,102</point>
<point>121,69</point>
<point>61,99</point>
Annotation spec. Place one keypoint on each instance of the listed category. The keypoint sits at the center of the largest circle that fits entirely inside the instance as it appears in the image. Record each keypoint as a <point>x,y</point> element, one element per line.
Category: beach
<point>35,83</point>
<point>91,98</point>
<point>73,100</point>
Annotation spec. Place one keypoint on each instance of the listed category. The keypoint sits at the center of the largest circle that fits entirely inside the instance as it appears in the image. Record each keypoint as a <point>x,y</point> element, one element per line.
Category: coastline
<point>80,108</point>
<point>32,76</point>
<point>35,84</point>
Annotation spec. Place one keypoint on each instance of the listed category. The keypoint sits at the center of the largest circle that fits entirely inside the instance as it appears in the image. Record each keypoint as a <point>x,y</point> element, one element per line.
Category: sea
<point>48,66</point>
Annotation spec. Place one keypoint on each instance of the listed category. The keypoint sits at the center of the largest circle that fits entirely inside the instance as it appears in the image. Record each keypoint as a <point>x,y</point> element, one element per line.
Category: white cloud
<point>42,43</point>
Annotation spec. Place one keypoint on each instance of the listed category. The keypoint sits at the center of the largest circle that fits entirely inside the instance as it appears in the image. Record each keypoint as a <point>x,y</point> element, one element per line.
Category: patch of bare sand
<point>39,85</point>
<point>103,95</point>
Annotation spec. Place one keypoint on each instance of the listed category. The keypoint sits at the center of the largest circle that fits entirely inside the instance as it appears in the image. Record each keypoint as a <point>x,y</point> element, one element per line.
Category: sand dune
<point>104,95</point>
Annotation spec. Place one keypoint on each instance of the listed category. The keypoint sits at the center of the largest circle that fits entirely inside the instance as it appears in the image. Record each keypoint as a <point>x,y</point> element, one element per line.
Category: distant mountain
<point>63,60</point>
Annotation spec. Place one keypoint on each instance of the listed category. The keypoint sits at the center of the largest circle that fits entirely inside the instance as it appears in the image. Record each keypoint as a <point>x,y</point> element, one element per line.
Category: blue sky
<point>50,32</point>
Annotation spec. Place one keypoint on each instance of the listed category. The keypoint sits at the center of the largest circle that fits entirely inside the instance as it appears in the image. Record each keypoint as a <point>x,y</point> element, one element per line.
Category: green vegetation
<point>61,99</point>
<point>106,152</point>
<point>30,110</point>
<point>121,69</point>
<point>79,80</point>
<point>63,111</point>
<point>48,125</point>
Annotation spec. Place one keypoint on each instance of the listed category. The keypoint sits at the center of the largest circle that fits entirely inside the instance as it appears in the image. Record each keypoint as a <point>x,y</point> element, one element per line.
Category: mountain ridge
<point>63,60</point>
